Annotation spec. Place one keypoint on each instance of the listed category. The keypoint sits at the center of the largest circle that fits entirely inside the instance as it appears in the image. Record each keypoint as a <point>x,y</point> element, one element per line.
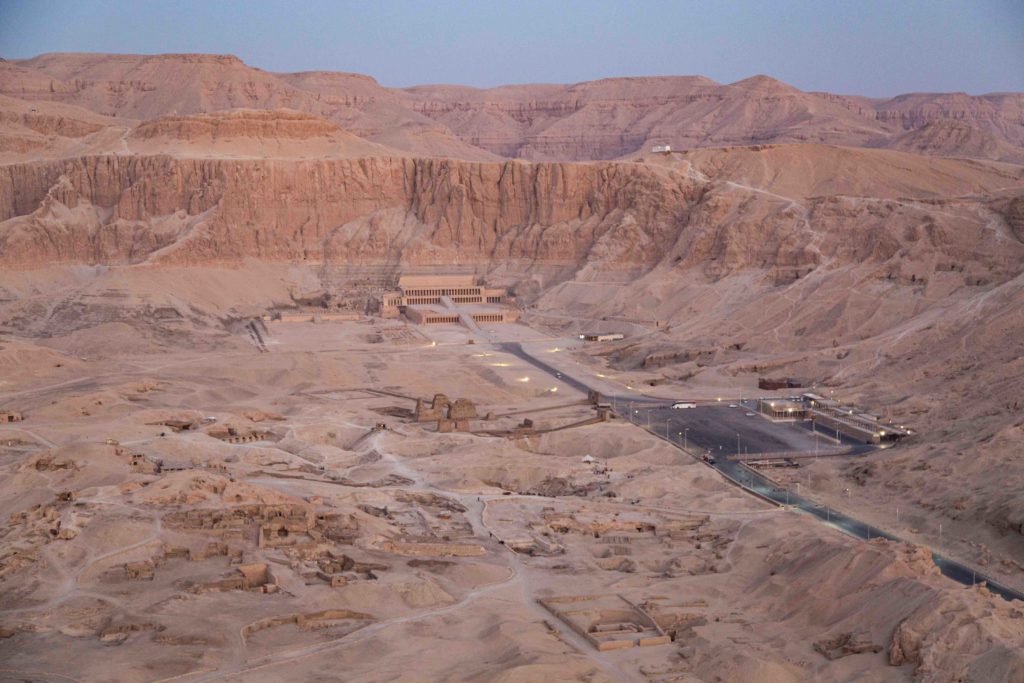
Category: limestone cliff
<point>113,209</point>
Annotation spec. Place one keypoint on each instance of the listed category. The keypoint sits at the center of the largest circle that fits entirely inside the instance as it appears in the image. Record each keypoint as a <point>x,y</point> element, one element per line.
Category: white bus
<point>679,405</point>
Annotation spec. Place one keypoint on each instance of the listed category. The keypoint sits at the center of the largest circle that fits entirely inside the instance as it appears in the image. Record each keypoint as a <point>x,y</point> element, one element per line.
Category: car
<point>751,414</point>
<point>733,405</point>
<point>680,405</point>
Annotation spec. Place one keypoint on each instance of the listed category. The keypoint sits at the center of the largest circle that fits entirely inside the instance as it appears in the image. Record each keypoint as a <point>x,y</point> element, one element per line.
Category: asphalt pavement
<point>716,428</point>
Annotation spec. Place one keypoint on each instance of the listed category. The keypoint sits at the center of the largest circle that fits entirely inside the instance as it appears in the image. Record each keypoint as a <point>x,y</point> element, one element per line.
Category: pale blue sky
<point>868,47</point>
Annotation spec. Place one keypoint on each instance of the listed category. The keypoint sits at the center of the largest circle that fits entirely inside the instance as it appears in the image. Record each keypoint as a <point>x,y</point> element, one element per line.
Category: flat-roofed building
<point>781,409</point>
<point>426,290</point>
<point>851,421</point>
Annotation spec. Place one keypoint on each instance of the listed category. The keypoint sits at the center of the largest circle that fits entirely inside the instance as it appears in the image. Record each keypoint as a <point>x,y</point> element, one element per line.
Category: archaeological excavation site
<point>305,378</point>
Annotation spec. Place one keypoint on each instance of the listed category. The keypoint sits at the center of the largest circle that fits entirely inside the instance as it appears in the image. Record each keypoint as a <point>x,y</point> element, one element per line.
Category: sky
<point>862,47</point>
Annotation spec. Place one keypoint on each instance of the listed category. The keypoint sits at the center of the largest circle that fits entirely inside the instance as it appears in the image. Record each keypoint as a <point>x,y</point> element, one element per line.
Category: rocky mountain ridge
<point>603,119</point>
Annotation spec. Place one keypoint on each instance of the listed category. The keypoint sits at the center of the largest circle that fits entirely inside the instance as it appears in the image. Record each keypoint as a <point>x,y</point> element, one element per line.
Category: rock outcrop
<point>111,209</point>
<point>280,123</point>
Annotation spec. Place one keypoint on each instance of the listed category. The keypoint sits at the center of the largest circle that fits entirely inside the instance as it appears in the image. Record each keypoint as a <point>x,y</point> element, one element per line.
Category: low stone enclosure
<point>11,416</point>
<point>145,570</point>
<point>307,622</point>
<point>246,577</point>
<point>608,622</point>
<point>431,548</point>
<point>334,568</point>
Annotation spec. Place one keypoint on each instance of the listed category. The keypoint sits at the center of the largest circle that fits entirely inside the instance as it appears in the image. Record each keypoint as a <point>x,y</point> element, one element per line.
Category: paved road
<point>667,423</point>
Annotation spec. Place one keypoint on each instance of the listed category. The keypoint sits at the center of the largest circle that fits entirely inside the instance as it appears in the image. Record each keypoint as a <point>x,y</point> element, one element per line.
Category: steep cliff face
<point>93,209</point>
<point>698,213</point>
<point>248,133</point>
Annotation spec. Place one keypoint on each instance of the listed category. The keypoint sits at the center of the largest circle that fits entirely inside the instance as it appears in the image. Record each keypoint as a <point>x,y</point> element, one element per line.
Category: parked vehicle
<point>679,405</point>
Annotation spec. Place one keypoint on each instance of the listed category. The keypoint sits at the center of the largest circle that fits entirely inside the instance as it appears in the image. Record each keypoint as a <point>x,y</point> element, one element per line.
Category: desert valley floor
<point>340,540</point>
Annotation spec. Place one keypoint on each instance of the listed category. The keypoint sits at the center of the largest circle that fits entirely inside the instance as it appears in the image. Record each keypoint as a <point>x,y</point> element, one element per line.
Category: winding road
<point>756,484</point>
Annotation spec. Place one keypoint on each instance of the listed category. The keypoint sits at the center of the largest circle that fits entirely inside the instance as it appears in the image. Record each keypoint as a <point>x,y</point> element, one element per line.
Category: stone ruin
<point>255,577</point>
<point>607,622</point>
<point>51,462</point>
<point>47,522</point>
<point>230,434</point>
<point>11,416</point>
<point>306,622</point>
<point>285,530</point>
<point>451,416</point>
<point>145,570</point>
<point>139,462</point>
<point>175,425</point>
<point>277,524</point>
<point>247,577</point>
<point>337,569</point>
<point>534,545</point>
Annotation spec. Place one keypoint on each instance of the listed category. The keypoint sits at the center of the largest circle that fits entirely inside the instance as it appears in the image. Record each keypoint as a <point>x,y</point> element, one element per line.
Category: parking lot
<point>724,430</point>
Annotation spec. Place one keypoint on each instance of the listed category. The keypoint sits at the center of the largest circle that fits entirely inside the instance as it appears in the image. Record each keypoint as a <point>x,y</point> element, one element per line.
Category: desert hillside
<point>603,119</point>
